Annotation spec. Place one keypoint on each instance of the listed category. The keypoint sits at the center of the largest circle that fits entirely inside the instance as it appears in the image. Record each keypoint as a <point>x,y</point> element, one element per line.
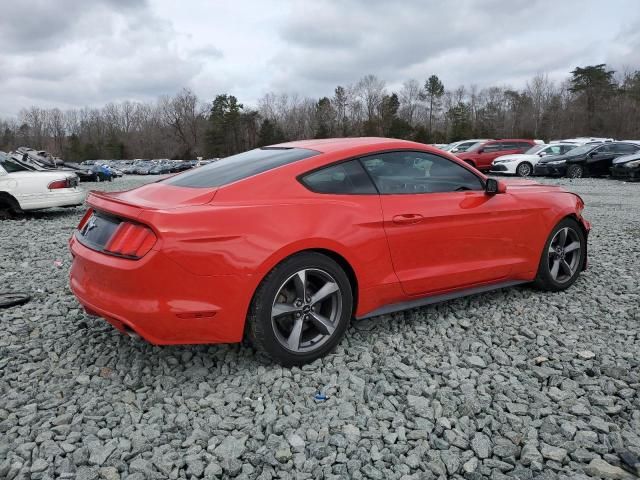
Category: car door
<point>443,231</point>
<point>488,154</point>
<point>597,160</point>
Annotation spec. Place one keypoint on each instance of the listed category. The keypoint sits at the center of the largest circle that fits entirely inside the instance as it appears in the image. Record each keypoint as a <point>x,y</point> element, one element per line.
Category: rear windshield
<point>237,167</point>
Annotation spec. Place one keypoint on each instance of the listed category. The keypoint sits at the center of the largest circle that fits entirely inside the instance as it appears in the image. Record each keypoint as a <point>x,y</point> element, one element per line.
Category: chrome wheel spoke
<point>280,309</point>
<point>566,267</point>
<point>327,289</point>
<point>300,281</point>
<point>322,323</point>
<point>555,268</point>
<point>293,341</point>
<point>562,237</point>
<point>571,247</point>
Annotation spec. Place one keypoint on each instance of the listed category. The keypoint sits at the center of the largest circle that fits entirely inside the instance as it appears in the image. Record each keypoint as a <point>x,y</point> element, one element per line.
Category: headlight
<point>634,164</point>
<point>557,162</point>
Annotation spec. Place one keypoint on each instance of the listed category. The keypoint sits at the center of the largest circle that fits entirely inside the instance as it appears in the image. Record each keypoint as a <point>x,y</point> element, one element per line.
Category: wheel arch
<point>335,253</point>
<point>10,201</point>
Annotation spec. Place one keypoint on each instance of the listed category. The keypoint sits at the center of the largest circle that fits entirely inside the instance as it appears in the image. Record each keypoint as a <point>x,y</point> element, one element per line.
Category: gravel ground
<point>512,384</point>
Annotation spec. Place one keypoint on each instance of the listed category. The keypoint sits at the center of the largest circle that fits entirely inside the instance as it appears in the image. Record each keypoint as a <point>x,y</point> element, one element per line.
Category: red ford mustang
<point>285,244</point>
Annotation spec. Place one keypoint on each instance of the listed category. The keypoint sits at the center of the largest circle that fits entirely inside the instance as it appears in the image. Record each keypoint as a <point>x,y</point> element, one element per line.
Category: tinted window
<point>237,167</point>
<point>418,172</point>
<point>625,148</point>
<point>343,178</point>
<point>510,146</point>
<point>604,149</point>
<point>523,145</point>
<point>492,147</point>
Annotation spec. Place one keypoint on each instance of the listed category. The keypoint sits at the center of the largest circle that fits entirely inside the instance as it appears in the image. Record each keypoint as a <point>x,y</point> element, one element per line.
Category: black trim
<point>429,300</point>
<point>461,163</point>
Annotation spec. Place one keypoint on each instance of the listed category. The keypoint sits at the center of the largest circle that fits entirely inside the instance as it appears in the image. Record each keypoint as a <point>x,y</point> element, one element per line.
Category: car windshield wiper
<point>462,188</point>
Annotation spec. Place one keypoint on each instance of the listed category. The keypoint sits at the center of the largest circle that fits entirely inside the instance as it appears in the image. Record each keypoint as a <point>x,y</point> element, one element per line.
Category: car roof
<point>331,145</point>
<point>511,140</point>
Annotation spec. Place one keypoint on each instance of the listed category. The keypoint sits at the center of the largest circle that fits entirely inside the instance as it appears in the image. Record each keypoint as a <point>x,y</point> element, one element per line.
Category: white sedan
<point>22,190</point>
<point>522,164</point>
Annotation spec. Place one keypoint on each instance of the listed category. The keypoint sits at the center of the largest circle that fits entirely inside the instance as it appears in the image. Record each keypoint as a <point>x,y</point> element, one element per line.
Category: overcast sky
<point>71,53</point>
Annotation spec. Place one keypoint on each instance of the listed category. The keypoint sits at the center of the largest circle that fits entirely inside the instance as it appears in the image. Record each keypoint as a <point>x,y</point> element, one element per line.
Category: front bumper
<point>158,299</point>
<point>550,170</point>
<point>504,168</point>
<point>624,173</point>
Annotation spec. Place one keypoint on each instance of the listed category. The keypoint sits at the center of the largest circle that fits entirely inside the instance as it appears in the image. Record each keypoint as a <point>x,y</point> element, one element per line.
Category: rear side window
<point>626,148</point>
<point>493,147</point>
<point>343,178</point>
<point>238,167</point>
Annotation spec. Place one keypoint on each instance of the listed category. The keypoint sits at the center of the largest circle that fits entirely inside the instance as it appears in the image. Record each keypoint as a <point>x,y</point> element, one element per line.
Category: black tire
<point>524,169</point>
<point>263,331</point>
<point>545,279</point>
<point>575,171</point>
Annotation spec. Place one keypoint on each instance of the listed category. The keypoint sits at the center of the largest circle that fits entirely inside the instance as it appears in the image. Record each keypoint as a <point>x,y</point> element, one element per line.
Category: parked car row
<point>148,167</point>
<point>28,159</point>
<point>573,158</point>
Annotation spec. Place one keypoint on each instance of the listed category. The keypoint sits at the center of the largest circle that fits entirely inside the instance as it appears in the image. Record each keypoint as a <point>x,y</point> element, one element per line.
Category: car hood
<point>626,158</point>
<point>556,158</point>
<point>160,196</point>
<point>517,156</point>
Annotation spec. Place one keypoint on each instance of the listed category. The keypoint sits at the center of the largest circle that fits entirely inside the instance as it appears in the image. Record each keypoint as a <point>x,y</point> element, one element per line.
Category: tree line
<point>592,101</point>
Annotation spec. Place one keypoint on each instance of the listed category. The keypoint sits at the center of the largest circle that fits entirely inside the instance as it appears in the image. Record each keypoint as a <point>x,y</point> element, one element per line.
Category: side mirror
<point>480,150</point>
<point>493,186</point>
<point>542,154</point>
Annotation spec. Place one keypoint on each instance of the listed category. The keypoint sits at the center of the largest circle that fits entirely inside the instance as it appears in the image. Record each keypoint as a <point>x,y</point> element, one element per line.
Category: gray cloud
<point>71,53</point>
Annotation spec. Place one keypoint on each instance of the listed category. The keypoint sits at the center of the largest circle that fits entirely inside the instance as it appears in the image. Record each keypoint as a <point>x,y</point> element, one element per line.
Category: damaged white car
<point>22,190</point>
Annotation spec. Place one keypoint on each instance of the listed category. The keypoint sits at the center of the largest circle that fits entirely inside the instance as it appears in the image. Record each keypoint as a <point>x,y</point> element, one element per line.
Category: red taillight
<point>59,184</point>
<point>131,240</point>
<point>85,218</point>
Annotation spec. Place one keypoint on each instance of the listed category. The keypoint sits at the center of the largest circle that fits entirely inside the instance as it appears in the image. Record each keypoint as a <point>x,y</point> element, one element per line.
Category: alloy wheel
<point>306,310</point>
<point>564,254</point>
<point>575,171</point>
<point>524,169</point>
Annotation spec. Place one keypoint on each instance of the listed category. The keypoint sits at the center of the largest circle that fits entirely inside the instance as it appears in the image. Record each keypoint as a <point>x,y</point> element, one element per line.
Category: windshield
<point>535,149</point>
<point>582,149</point>
<point>475,147</point>
<point>11,166</point>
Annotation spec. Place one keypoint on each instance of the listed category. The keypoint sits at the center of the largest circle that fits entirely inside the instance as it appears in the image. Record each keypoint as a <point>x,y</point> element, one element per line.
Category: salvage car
<point>481,155</point>
<point>586,160</point>
<point>22,190</point>
<point>287,243</point>
<point>627,167</point>
<point>522,164</point>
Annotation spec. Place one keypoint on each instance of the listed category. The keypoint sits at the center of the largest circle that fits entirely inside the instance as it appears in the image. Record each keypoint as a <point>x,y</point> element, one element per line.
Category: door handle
<point>408,218</point>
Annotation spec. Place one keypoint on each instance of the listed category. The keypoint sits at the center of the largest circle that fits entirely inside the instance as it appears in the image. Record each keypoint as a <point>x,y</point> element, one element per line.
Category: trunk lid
<point>158,196</point>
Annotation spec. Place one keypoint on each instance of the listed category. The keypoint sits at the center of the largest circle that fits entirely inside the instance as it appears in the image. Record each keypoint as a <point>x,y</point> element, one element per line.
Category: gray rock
<point>550,452</point>
<point>530,454</point>
<point>601,469</point>
<point>231,447</point>
<point>475,361</point>
<point>481,445</point>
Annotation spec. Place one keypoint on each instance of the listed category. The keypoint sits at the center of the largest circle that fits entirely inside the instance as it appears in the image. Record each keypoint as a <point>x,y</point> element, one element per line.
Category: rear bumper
<point>63,197</point>
<point>550,170</point>
<point>158,299</point>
